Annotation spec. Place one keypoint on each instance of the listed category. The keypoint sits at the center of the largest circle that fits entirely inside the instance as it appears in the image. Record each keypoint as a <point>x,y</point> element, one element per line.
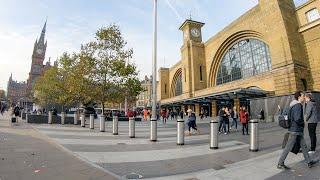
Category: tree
<point>110,78</point>
<point>2,94</point>
<point>45,89</point>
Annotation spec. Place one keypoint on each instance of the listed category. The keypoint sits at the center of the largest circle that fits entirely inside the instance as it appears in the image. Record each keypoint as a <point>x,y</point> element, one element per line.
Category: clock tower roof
<point>189,21</point>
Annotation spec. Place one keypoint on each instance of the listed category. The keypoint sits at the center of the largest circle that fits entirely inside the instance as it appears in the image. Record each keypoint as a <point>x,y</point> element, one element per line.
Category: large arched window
<point>178,85</point>
<point>246,58</point>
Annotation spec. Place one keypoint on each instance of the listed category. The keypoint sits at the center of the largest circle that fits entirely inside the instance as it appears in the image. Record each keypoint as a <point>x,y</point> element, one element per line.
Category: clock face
<point>195,32</point>
<point>39,51</point>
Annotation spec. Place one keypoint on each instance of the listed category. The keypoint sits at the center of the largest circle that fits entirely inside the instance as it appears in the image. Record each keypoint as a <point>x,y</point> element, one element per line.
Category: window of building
<point>201,73</point>
<point>312,15</point>
<point>165,88</point>
<point>246,58</point>
<point>178,85</point>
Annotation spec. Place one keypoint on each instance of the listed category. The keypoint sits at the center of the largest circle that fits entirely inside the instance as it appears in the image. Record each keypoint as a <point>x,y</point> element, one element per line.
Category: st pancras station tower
<point>272,50</point>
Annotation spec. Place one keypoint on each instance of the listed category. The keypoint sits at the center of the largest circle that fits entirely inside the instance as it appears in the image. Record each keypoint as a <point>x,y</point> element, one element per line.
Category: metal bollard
<point>254,135</point>
<point>180,132</point>
<point>132,128</point>
<point>63,117</point>
<point>75,120</point>
<point>83,120</point>
<point>91,121</point>
<point>115,125</point>
<point>102,123</point>
<point>153,129</point>
<point>214,134</point>
<point>49,118</point>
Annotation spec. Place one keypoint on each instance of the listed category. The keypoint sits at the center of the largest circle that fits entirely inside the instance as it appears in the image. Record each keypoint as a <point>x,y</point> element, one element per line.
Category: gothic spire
<point>43,33</point>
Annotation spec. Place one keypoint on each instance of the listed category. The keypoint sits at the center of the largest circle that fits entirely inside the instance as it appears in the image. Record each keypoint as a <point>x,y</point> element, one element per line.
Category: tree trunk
<point>102,104</point>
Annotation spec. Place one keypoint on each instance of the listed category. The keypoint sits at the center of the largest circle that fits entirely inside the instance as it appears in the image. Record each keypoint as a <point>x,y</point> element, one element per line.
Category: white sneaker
<point>225,133</point>
<point>311,152</point>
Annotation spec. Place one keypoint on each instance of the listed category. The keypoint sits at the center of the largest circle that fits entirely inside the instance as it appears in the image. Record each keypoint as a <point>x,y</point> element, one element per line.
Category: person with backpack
<point>296,128</point>
<point>312,118</point>
<point>16,111</point>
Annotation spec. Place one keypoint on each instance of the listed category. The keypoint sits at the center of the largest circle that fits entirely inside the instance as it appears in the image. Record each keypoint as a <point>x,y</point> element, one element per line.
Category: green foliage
<point>2,94</point>
<point>97,73</point>
<point>111,78</point>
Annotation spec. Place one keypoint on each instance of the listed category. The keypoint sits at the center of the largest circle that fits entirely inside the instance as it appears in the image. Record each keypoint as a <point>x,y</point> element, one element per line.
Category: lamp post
<point>125,99</point>
<point>153,121</point>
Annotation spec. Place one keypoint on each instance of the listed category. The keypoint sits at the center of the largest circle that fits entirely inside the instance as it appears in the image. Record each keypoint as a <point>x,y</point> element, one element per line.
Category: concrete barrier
<point>43,119</point>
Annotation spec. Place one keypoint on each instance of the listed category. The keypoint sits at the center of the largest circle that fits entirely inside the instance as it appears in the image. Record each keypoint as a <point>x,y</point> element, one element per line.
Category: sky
<point>74,22</point>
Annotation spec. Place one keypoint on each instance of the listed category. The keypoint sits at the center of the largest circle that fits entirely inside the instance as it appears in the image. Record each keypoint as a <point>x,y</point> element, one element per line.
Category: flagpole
<point>153,121</point>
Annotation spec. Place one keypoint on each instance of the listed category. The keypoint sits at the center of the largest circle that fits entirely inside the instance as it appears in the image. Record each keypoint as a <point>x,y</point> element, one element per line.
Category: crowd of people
<point>302,110</point>
<point>226,115</point>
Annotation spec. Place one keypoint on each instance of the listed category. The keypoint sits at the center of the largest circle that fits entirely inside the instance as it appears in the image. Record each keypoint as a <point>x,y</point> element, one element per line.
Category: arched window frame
<point>246,58</point>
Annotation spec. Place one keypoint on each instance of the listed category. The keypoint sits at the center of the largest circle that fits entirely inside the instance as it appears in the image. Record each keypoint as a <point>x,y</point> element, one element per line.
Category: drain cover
<point>121,143</point>
<point>134,176</point>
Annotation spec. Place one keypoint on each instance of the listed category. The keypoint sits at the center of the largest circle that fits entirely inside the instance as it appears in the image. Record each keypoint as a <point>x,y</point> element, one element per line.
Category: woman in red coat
<point>244,119</point>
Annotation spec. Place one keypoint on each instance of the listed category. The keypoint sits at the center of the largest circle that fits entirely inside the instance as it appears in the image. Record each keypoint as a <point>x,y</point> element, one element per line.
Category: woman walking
<point>192,123</point>
<point>244,119</point>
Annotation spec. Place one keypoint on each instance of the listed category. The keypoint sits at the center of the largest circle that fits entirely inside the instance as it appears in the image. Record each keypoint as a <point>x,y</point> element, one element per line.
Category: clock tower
<point>193,58</point>
<point>38,55</point>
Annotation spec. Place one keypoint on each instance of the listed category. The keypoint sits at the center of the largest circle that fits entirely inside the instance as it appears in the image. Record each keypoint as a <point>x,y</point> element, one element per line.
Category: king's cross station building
<point>271,50</point>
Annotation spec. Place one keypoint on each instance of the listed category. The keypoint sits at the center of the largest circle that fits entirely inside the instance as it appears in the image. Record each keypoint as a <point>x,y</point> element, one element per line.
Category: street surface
<point>59,148</point>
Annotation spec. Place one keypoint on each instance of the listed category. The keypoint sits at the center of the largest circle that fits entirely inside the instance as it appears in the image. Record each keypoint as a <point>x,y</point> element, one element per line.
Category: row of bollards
<point>214,129</point>
<point>214,134</point>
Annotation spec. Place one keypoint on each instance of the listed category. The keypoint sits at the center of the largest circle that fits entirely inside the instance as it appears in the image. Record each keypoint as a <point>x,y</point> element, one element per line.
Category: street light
<point>153,121</point>
<point>126,100</point>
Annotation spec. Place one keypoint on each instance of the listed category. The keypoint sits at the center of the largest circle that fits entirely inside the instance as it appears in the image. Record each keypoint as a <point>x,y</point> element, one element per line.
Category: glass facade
<point>178,85</point>
<point>246,58</point>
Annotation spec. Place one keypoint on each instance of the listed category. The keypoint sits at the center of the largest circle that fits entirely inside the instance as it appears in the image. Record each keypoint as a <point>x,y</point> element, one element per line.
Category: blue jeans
<point>234,122</point>
<point>222,124</point>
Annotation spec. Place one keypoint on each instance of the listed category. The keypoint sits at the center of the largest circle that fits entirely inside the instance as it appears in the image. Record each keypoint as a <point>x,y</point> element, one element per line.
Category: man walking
<point>312,117</point>
<point>295,115</point>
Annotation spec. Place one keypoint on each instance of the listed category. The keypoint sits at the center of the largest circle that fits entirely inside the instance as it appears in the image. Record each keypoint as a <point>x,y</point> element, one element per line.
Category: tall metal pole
<point>153,123</point>
<point>126,100</point>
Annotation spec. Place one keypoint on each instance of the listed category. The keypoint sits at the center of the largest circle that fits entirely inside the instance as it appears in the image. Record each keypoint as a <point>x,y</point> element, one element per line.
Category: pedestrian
<point>227,119</point>
<point>221,116</point>
<point>312,117</point>
<point>172,115</point>
<point>234,116</point>
<point>16,111</point>
<point>295,116</point>
<point>181,114</point>
<point>201,114</point>
<point>145,114</point>
<point>261,115</point>
<point>164,116</point>
<point>244,119</point>
<point>192,123</point>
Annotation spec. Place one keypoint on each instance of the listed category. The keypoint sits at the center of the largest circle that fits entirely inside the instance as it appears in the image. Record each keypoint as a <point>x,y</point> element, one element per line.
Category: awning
<point>240,93</point>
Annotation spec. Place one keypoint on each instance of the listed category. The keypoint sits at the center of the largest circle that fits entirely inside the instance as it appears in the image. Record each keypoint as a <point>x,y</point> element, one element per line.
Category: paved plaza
<point>123,157</point>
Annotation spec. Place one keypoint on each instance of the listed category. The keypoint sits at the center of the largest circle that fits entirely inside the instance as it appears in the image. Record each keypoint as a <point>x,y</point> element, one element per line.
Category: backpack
<point>284,119</point>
